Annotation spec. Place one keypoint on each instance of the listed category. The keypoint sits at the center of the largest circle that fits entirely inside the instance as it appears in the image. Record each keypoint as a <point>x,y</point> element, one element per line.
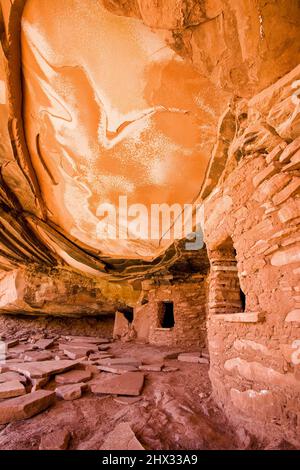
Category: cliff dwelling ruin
<point>149,224</point>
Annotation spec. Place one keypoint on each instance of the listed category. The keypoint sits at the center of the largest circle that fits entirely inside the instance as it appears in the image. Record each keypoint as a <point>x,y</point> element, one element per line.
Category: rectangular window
<point>167,315</point>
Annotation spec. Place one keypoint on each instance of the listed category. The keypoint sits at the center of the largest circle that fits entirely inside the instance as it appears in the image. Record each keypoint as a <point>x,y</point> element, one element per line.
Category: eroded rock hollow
<point>149,193</point>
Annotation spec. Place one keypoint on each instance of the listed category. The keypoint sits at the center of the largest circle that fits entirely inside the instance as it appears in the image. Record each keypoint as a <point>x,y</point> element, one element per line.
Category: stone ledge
<point>163,329</point>
<point>243,317</point>
<point>224,268</point>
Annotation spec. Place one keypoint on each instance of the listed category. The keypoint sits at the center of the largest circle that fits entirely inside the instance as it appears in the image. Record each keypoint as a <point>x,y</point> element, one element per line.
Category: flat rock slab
<point>10,389</point>
<point>127,400</point>
<point>10,343</point>
<point>120,361</point>
<point>70,392</point>
<point>117,369</point>
<point>73,377</point>
<point>130,383</point>
<point>25,406</point>
<point>37,356</point>
<point>37,370</point>
<point>158,357</point>
<point>151,367</point>
<point>87,339</point>
<point>100,355</point>
<point>189,357</point>
<point>21,348</point>
<point>8,376</point>
<point>55,440</point>
<point>95,360</point>
<point>44,343</point>
<point>122,438</point>
<point>76,353</point>
<point>87,346</point>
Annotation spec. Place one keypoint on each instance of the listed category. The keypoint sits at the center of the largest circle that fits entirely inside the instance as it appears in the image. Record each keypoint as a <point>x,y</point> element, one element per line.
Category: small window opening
<point>167,315</point>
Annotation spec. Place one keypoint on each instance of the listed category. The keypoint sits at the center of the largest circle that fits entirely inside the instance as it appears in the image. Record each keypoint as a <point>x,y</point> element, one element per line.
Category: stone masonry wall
<point>255,355</point>
<point>189,314</point>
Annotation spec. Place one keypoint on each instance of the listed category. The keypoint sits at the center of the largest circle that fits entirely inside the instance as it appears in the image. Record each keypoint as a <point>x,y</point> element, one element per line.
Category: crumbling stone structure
<point>173,315</point>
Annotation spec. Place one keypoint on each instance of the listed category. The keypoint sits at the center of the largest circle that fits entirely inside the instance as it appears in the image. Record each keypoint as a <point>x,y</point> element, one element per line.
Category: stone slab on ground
<point>10,389</point>
<point>73,377</point>
<point>127,400</point>
<point>55,440</point>
<point>87,346</point>
<point>71,391</point>
<point>117,369</point>
<point>121,361</point>
<point>88,339</point>
<point>100,355</point>
<point>97,361</point>
<point>21,348</point>
<point>152,367</point>
<point>130,383</point>
<point>122,438</point>
<point>76,353</point>
<point>25,406</point>
<point>44,343</point>
<point>8,376</point>
<point>34,356</point>
<point>157,357</point>
<point>10,343</point>
<point>190,357</point>
<point>37,370</point>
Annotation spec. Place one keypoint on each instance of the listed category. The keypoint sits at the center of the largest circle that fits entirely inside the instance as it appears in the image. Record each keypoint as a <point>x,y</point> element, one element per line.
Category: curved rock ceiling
<point>109,111</point>
<point>105,98</point>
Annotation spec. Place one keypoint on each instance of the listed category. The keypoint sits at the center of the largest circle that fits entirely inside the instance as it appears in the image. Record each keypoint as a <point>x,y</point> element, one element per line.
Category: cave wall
<point>240,46</point>
<point>36,290</point>
<point>255,209</point>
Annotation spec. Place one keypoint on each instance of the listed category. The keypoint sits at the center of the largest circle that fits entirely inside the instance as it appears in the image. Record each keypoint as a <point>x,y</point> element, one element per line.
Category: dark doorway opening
<point>167,315</point>
<point>127,312</point>
<point>243,300</point>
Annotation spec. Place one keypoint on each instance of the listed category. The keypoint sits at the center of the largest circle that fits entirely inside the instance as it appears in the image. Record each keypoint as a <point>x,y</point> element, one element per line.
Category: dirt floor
<point>176,410</point>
